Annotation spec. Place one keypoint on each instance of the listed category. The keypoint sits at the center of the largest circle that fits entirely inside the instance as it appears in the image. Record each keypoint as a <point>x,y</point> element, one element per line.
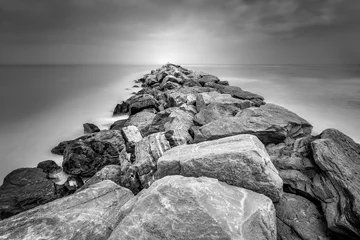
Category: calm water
<point>43,105</point>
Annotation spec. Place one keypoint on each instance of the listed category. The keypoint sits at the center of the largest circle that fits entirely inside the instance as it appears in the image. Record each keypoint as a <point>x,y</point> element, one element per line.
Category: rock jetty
<point>195,159</point>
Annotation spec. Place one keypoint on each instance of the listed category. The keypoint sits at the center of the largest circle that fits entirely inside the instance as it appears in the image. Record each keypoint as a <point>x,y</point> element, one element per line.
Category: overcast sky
<point>181,31</point>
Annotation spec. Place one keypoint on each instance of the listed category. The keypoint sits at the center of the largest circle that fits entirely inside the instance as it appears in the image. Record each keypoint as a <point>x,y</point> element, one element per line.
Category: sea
<point>42,105</point>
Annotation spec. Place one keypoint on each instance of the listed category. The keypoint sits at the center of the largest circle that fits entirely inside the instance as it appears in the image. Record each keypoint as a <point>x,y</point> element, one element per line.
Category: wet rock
<point>85,158</point>
<point>89,214</point>
<point>338,156</point>
<point>23,189</point>
<point>298,218</point>
<point>240,161</point>
<point>90,128</point>
<point>270,123</point>
<point>179,207</point>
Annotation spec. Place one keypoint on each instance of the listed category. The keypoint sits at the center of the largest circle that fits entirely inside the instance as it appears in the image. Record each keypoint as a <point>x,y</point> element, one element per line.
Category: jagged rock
<point>176,99</point>
<point>204,99</point>
<point>239,160</point>
<point>131,134</point>
<point>138,103</point>
<point>121,108</point>
<point>109,172</point>
<point>208,79</point>
<point>85,158</point>
<point>23,189</point>
<point>72,184</point>
<point>171,79</point>
<point>147,152</point>
<point>89,214</point>
<point>179,207</point>
<point>338,156</point>
<point>140,120</point>
<point>215,111</point>
<point>237,92</point>
<point>119,124</point>
<point>48,166</point>
<point>188,108</point>
<point>270,123</point>
<point>298,218</point>
<point>90,128</point>
<point>226,83</point>
<point>169,86</point>
<point>192,83</point>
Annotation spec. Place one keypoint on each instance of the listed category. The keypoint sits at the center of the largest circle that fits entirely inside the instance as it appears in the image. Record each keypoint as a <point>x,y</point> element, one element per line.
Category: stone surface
<point>121,108</point>
<point>270,123</point>
<point>131,134</point>
<point>208,79</point>
<point>48,166</point>
<point>239,160</point>
<point>109,172</point>
<point>338,156</point>
<point>119,124</point>
<point>23,189</point>
<point>89,214</point>
<point>215,111</point>
<point>298,218</point>
<point>138,103</point>
<point>178,207</point>
<point>90,128</point>
<point>85,158</point>
<point>140,120</point>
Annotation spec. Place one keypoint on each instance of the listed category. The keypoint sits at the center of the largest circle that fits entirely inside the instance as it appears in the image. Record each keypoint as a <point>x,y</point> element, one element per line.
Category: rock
<point>338,156</point>
<point>131,134</point>
<point>208,79</point>
<point>121,108</point>
<point>178,207</point>
<point>138,103</point>
<point>147,152</point>
<point>89,214</point>
<point>136,86</point>
<point>171,79</point>
<point>192,83</point>
<point>176,99</point>
<point>23,189</point>
<point>85,158</point>
<point>119,124</point>
<point>109,172</point>
<point>215,111</point>
<point>140,120</point>
<point>169,85</point>
<point>204,99</point>
<point>72,184</point>
<point>48,166</point>
<point>90,128</point>
<point>226,83</point>
<point>241,161</point>
<point>298,218</point>
<point>270,123</point>
<point>237,92</point>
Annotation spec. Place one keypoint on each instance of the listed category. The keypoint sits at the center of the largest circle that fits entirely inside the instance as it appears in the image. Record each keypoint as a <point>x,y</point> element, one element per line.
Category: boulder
<point>208,79</point>
<point>131,134</point>
<point>23,189</point>
<point>140,120</point>
<point>215,111</point>
<point>49,166</point>
<point>224,83</point>
<point>240,160</point>
<point>89,214</point>
<point>270,123</point>
<point>338,156</point>
<point>90,128</point>
<point>298,218</point>
<point>179,207</point>
<point>204,99</point>
<point>176,99</point>
<point>169,86</point>
<point>109,172</point>
<point>119,124</point>
<point>121,108</point>
<point>138,103</point>
<point>85,158</point>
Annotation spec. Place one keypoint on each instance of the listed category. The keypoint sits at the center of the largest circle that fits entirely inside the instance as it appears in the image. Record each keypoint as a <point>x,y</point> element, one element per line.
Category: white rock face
<point>178,207</point>
<point>239,160</point>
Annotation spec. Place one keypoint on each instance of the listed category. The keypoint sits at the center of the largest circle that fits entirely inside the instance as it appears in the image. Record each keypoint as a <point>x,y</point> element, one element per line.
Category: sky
<point>180,31</point>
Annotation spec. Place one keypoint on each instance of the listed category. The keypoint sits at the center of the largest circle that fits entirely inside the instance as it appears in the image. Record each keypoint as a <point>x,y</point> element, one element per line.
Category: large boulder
<point>109,172</point>
<point>270,123</point>
<point>208,79</point>
<point>140,102</point>
<point>240,160</point>
<point>89,214</point>
<point>49,166</point>
<point>140,120</point>
<point>299,219</point>
<point>90,128</point>
<point>121,108</point>
<point>215,111</point>
<point>23,189</point>
<point>338,156</point>
<point>85,158</point>
<point>179,207</point>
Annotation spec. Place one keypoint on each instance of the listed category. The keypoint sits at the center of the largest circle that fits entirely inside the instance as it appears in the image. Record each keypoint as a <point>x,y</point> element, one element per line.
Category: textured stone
<point>48,166</point>
<point>178,207</point>
<point>298,218</point>
<point>89,214</point>
<point>23,189</point>
<point>140,120</point>
<point>121,108</point>
<point>215,111</point>
<point>90,128</point>
<point>240,161</point>
<point>208,79</point>
<point>109,172</point>
<point>131,134</point>
<point>141,102</point>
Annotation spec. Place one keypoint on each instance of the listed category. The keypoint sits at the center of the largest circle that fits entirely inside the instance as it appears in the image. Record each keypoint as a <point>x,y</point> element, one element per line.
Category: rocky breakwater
<point>195,159</point>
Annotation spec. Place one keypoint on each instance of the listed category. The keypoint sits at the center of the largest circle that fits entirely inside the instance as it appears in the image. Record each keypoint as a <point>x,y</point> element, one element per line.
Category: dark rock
<point>139,102</point>
<point>136,86</point>
<point>226,83</point>
<point>48,166</point>
<point>118,125</point>
<point>85,158</point>
<point>241,161</point>
<point>90,128</point>
<point>298,218</point>
<point>179,207</point>
<point>72,184</point>
<point>270,123</point>
<point>208,79</point>
<point>89,214</point>
<point>23,189</point>
<point>121,108</point>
